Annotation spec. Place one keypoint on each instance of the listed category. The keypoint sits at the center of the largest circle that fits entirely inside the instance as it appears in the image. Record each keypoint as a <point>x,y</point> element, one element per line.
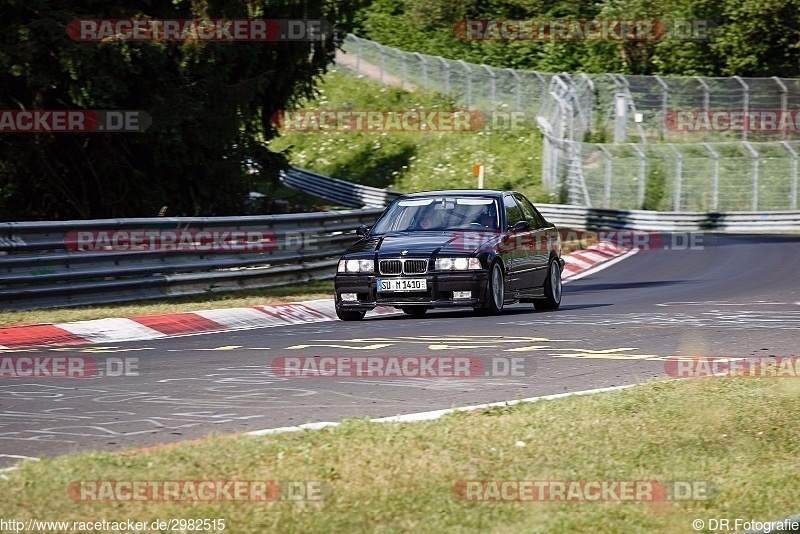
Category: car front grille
<point>403,266</point>
<point>415,266</point>
<point>391,266</point>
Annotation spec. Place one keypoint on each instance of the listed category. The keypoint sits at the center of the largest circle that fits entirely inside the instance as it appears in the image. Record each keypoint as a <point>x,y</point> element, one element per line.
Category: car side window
<point>533,216</point>
<point>513,213</point>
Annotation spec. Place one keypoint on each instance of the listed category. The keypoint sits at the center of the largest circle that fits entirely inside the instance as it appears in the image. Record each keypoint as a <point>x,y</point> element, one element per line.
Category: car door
<point>538,245</point>
<point>516,245</point>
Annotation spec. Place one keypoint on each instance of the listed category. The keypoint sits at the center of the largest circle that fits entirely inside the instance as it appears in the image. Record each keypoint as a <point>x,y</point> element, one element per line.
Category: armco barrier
<point>43,264</point>
<point>661,221</point>
<point>341,192</point>
<point>354,195</point>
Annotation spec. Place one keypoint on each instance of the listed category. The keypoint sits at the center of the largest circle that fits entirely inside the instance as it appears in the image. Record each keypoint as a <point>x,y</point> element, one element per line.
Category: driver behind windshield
<point>430,220</point>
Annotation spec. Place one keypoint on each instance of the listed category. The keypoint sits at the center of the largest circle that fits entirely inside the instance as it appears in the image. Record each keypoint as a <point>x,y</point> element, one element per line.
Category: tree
<point>210,104</point>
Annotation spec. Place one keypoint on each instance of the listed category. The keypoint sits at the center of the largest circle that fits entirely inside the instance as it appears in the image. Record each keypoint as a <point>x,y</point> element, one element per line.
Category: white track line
<point>436,414</point>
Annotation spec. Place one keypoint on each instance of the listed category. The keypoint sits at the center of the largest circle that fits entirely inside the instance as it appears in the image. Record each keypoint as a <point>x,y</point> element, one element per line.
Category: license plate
<point>403,284</point>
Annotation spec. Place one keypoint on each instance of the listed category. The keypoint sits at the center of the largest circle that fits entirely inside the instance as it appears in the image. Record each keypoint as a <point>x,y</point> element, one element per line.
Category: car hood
<point>423,243</point>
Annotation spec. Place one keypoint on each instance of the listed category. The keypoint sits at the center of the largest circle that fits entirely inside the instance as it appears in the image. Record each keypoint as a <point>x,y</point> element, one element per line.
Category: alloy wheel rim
<point>497,287</point>
<point>555,281</point>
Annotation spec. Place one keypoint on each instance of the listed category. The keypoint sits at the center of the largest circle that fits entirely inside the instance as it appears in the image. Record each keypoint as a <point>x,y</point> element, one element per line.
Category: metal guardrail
<point>355,195</point>
<point>48,264</point>
<point>341,192</point>
<point>662,221</point>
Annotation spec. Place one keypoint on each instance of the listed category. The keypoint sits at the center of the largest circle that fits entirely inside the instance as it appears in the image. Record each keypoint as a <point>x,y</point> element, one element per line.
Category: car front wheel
<point>495,292</point>
<point>552,289</point>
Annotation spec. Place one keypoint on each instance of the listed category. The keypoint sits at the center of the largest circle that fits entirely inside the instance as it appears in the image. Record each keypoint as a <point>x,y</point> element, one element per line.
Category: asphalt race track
<point>738,296</point>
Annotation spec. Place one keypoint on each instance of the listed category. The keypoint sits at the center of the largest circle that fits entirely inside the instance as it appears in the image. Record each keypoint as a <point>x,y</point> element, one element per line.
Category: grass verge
<point>224,299</point>
<point>739,434</point>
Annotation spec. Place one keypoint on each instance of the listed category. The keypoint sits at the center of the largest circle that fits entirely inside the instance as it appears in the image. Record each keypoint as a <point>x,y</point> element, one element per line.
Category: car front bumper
<point>439,293</point>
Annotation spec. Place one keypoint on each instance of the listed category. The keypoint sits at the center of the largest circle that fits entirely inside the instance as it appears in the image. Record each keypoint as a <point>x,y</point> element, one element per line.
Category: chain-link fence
<point>618,141</point>
<point>476,86</point>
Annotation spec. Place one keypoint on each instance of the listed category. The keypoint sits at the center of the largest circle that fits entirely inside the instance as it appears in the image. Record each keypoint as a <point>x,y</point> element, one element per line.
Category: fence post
<point>642,176</point>
<point>714,178</point>
<point>547,153</point>
<point>468,70</point>
<point>792,176</point>
<point>607,191</point>
<point>746,102</point>
<point>620,117</point>
<point>590,112</point>
<point>544,89</point>
<point>402,69</point>
<point>664,98</point>
<point>678,177</point>
<point>492,84</point>
<point>517,89</point>
<point>706,91</point>
<point>754,156</point>
<point>382,50</point>
<point>424,69</point>
<point>784,99</point>
<point>446,66</point>
<point>565,107</point>
<point>358,54</point>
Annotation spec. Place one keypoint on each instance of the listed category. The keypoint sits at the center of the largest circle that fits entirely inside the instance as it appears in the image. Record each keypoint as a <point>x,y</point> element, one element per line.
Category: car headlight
<point>356,266</point>
<point>457,264</point>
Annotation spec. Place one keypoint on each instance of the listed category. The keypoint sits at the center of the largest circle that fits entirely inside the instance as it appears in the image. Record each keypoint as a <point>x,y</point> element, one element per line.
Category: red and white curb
<point>146,327</point>
<point>595,258</point>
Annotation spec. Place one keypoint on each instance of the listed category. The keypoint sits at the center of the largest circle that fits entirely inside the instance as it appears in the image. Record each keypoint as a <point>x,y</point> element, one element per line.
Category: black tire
<point>552,288</point>
<point>495,293</point>
<point>350,315</point>
<point>415,311</point>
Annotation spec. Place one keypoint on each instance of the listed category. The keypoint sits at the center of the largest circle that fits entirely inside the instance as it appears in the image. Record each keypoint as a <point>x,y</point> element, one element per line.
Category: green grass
<point>224,299</point>
<point>738,434</point>
<point>413,161</point>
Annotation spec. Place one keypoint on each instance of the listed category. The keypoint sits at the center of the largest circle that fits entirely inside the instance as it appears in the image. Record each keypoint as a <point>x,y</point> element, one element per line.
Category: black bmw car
<point>461,248</point>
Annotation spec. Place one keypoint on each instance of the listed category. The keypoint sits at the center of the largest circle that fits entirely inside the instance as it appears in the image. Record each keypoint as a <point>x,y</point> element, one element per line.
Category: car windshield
<point>437,213</point>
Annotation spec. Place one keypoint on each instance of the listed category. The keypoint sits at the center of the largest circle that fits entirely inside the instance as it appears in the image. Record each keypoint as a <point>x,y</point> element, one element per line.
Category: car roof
<point>462,192</point>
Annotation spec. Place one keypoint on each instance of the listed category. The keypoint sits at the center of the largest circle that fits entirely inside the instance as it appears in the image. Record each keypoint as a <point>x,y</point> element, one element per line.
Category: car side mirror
<point>521,226</point>
<point>362,230</point>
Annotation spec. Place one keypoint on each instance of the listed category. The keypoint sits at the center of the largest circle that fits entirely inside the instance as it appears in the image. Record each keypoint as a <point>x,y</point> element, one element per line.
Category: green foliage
<point>749,38</point>
<point>210,104</point>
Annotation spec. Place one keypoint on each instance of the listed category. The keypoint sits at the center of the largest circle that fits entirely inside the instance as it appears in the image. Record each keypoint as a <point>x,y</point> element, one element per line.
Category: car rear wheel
<point>495,292</point>
<point>552,288</point>
<point>350,315</point>
<point>415,311</point>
